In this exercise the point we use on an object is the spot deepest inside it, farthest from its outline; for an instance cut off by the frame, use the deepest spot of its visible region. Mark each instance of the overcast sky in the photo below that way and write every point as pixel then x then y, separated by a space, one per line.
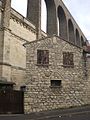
pixel 80 10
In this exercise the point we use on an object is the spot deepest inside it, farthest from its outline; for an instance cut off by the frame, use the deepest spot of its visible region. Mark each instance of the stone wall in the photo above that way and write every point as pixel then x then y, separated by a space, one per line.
pixel 12 52
pixel 21 27
pixel 13 61
pixel 21 31
pixel 88 76
pixel 39 94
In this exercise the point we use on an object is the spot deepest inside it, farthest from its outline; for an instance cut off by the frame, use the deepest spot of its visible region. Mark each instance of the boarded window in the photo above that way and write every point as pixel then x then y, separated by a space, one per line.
pixel 43 57
pixel 68 59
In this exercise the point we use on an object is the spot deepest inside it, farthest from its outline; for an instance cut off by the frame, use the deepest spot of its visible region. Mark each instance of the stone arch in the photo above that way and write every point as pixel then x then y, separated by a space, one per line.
pixel 34 15
pixel 71 31
pixel 62 22
pixel 77 38
pixel 51 17
pixel 82 41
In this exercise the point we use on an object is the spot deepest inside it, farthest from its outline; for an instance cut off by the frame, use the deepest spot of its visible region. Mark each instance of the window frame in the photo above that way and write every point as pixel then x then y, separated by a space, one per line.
pixel 42 57
pixel 68 59
pixel 55 83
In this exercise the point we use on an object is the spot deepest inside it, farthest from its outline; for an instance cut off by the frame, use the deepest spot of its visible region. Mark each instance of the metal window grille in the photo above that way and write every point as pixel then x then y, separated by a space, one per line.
pixel 42 57
pixel 68 59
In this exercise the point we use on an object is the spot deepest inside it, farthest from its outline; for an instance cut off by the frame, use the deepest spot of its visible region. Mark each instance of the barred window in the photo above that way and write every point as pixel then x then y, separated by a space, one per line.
pixel 68 59
pixel 43 57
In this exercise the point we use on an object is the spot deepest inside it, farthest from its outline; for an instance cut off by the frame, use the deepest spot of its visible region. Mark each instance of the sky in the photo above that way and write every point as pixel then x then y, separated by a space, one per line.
pixel 80 10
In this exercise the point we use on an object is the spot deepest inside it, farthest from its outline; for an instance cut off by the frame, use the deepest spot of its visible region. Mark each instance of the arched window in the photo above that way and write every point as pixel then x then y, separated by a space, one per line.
pixel 77 38
pixel 62 23
pixel 71 31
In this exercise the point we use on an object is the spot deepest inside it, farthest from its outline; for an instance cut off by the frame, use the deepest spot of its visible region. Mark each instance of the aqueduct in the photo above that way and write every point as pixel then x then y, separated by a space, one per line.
pixel 57 15
pixel 59 20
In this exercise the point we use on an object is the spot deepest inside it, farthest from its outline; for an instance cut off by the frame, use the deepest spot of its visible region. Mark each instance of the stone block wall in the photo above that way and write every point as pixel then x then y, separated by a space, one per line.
pixel 22 31
pixel 88 77
pixel 12 52
pixel 40 95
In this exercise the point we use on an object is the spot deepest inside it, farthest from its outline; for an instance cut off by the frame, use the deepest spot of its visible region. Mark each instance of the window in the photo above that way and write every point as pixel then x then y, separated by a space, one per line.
pixel 43 57
pixel 55 83
pixel 23 88
pixel 68 59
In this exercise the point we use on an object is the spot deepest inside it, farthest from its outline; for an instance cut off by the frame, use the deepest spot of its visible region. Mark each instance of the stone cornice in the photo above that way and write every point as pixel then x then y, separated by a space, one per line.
pixel 22 21
pixel 20 38
pixel 12 66
pixel 45 38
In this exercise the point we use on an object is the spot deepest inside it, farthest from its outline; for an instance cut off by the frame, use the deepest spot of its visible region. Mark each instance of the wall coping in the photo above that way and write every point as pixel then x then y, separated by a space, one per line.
pixel 21 19
pixel 35 41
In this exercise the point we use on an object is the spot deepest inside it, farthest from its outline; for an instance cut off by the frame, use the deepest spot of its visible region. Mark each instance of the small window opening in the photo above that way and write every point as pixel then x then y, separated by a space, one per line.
pixel 23 88
pixel 55 83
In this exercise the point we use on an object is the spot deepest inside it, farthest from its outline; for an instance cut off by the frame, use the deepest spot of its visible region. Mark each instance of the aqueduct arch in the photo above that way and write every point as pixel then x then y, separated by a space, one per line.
pixel 34 15
pixel 77 38
pixel 51 18
pixel 58 21
pixel 62 23
pixel 71 31
pixel 82 41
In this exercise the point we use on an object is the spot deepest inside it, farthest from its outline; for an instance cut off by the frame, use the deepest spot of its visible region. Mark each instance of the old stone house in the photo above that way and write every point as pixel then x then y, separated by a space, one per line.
pixel 56 76
pixel 54 67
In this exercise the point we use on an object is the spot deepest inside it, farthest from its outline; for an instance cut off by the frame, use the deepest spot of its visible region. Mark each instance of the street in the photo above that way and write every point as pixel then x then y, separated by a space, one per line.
pixel 82 113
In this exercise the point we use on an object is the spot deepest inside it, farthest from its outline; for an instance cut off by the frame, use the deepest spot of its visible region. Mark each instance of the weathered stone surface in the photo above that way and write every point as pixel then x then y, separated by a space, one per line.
pixel 39 95
pixel 15 30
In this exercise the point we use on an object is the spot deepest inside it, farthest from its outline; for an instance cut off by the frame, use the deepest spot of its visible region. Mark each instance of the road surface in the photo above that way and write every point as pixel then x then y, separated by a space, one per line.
pixel 79 113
